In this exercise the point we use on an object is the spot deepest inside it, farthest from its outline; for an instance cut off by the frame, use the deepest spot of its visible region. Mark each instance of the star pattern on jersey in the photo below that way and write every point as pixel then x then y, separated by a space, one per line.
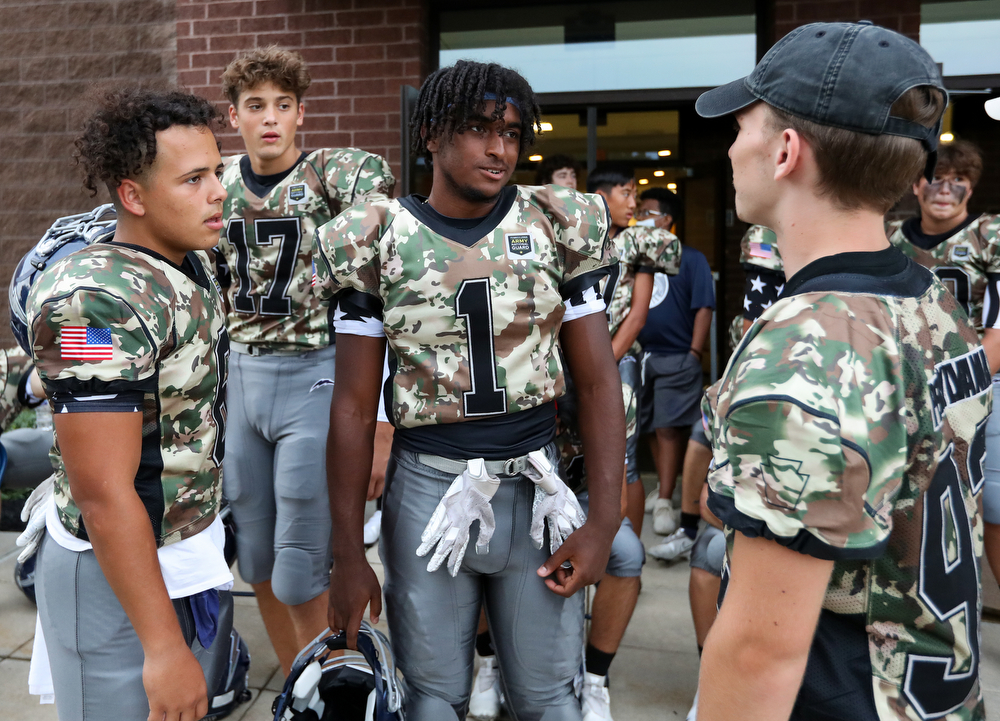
pixel 746 303
pixel 767 305
pixel 780 288
pixel 757 285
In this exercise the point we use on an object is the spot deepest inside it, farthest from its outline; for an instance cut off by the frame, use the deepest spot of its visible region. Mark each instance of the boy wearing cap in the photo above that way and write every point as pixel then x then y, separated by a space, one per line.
pixel 850 430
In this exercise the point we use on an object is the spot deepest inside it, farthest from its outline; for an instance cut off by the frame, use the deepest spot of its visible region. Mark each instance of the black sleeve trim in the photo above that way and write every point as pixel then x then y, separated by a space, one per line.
pixel 993 301
pixel 124 402
pixel 356 305
pixel 803 542
pixel 94 387
pixel 22 390
pixel 645 269
pixel 581 282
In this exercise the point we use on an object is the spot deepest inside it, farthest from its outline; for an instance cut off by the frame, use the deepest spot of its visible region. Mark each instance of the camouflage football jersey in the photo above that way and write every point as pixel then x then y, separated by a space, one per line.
pixel 640 250
pixel 14 364
pixel 267 243
pixel 472 315
pixel 116 328
pixel 851 427
pixel 967 261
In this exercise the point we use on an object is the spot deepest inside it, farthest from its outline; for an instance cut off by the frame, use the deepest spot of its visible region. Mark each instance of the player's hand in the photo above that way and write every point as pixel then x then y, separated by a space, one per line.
pixel 175 685
pixel 353 585
pixel 586 553
pixel 376 484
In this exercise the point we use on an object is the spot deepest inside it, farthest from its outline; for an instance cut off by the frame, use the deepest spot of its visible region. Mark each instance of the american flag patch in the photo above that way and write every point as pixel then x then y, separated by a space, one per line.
pixel 81 343
pixel 761 250
pixel 315 278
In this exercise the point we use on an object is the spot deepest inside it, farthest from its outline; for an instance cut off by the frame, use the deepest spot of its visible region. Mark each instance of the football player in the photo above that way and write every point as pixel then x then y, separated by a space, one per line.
pixel 283 352
pixel 963 250
pixel 129 337
pixel 25 450
pixel 851 421
pixel 475 288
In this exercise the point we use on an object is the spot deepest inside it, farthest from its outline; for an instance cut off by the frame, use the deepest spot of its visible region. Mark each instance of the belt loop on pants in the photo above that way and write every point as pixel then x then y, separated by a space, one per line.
pixel 508 467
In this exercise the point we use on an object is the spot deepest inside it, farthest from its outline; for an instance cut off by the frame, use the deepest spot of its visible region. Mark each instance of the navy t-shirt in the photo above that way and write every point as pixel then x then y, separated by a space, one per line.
pixel 670 323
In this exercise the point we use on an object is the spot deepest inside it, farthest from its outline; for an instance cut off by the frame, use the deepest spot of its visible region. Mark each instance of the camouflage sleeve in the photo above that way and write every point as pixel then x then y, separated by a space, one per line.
pixel 581 224
pixel 659 251
pixel 348 254
pixel 93 353
pixel 14 367
pixel 989 232
pixel 356 176
pixel 759 248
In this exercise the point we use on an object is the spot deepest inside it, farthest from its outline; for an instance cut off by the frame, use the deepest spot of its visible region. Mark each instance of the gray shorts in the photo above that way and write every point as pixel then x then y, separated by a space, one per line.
pixel 538 635
pixel 628 555
pixel 275 470
pixel 28 461
pixel 709 551
pixel 94 653
pixel 630 370
pixel 991 487
pixel 671 391
pixel 698 434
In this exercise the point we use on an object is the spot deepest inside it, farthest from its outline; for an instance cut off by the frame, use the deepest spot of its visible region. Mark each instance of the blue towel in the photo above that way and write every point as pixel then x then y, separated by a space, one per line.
pixel 205 608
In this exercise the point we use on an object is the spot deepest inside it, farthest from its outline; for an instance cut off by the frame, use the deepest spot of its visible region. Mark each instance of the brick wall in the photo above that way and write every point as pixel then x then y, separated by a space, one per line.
pixel 52 53
pixel 903 16
pixel 359 52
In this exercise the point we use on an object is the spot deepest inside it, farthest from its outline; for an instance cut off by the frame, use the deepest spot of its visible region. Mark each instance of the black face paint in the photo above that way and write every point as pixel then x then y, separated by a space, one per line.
pixel 957 190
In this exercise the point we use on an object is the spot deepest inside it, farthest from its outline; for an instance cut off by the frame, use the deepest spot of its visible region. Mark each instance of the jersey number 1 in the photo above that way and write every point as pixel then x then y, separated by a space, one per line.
pixel 287 233
pixel 474 305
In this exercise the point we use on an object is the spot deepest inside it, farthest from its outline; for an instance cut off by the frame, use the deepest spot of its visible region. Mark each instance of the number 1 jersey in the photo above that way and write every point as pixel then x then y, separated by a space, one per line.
pixel 472 314
pixel 851 426
pixel 266 244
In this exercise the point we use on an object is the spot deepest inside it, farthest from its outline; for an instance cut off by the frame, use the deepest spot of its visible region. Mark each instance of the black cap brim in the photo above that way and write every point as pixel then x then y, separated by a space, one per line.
pixel 725 99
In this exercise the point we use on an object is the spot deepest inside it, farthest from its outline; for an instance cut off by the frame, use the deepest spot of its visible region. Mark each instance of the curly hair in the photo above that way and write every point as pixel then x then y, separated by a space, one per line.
pixel 119 140
pixel 961 158
pixel 271 64
pixel 450 96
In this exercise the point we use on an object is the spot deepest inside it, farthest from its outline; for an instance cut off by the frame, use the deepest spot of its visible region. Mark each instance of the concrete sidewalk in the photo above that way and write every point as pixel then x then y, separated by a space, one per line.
pixel 653 678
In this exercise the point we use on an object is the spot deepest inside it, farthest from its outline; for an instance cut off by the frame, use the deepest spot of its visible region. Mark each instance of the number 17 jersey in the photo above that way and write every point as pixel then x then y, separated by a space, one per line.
pixel 267 242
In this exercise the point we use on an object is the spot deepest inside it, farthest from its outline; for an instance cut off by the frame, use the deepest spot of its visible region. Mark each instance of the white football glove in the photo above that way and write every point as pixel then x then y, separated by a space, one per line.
pixel 554 503
pixel 34 514
pixel 465 501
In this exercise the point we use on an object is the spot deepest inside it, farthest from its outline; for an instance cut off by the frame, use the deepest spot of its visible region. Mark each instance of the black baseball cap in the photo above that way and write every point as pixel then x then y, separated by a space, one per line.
pixel 845 75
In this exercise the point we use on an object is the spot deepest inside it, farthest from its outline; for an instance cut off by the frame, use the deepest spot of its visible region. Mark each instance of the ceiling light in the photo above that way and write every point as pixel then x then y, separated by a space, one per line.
pixel 534 158
pixel 947 137
pixel 643 181
pixel 658 173
pixel 546 127
pixel 664 153
pixel 671 186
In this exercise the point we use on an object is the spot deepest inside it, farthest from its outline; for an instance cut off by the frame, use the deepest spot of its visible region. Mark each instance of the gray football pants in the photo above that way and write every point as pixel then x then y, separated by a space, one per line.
pixel 275 470
pixel 433 617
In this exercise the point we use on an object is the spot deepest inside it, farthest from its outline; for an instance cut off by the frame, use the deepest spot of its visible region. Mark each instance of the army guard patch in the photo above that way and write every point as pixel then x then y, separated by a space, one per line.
pixel 296 194
pixel 961 252
pixel 520 246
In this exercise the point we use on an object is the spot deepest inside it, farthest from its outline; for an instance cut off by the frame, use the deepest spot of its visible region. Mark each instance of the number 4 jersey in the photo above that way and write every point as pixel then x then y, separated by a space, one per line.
pixel 851 427
pixel 267 247
pixel 119 329
pixel 471 309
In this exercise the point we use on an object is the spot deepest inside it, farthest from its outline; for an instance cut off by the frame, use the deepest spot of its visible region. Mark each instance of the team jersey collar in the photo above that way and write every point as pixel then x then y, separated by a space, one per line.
pixel 878 264
pixel 262 185
pixel 191 266
pixel 450 227
pixel 911 229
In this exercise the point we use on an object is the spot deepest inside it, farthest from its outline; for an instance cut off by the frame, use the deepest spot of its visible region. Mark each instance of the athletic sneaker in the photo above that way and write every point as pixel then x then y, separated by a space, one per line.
pixel 693 713
pixel 664 522
pixel 373 529
pixel 675 546
pixel 484 704
pixel 651 499
pixel 595 701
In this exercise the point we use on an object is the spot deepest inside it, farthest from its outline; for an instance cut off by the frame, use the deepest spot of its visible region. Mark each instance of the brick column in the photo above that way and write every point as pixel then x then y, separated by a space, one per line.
pixel 903 16
pixel 359 52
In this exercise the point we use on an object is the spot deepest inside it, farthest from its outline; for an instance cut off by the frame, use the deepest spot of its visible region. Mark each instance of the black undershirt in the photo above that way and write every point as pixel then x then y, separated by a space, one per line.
pixel 261 185
pixel 915 234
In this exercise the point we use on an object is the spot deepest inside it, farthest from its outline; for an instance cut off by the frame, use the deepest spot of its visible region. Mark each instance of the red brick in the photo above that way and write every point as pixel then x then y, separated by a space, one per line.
pixel 331 71
pixel 312 21
pixel 326 140
pixel 212 27
pixel 317 55
pixel 384 35
pixel 378 70
pixel 369 138
pixel 192 12
pixel 361 87
pixel 192 45
pixel 351 53
pixel 278 7
pixel 211 60
pixel 328 106
pixel 414 69
pixel 327 37
pixel 413 16
pixel 291 40
pixel 230 10
pixel 189 78
pixel 185 29
pixel 361 122
pixel 888 7
pixel 135 64
pixel 362 18
pixel 376 105
pixel 131 12
pixel 273 24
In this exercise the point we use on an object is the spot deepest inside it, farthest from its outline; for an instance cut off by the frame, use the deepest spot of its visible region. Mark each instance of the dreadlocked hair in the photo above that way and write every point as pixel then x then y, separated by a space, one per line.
pixel 119 140
pixel 450 96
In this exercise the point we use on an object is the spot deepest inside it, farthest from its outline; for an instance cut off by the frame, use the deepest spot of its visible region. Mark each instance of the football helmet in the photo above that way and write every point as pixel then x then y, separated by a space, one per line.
pixel 359 686
pixel 65 236
pixel 24 577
